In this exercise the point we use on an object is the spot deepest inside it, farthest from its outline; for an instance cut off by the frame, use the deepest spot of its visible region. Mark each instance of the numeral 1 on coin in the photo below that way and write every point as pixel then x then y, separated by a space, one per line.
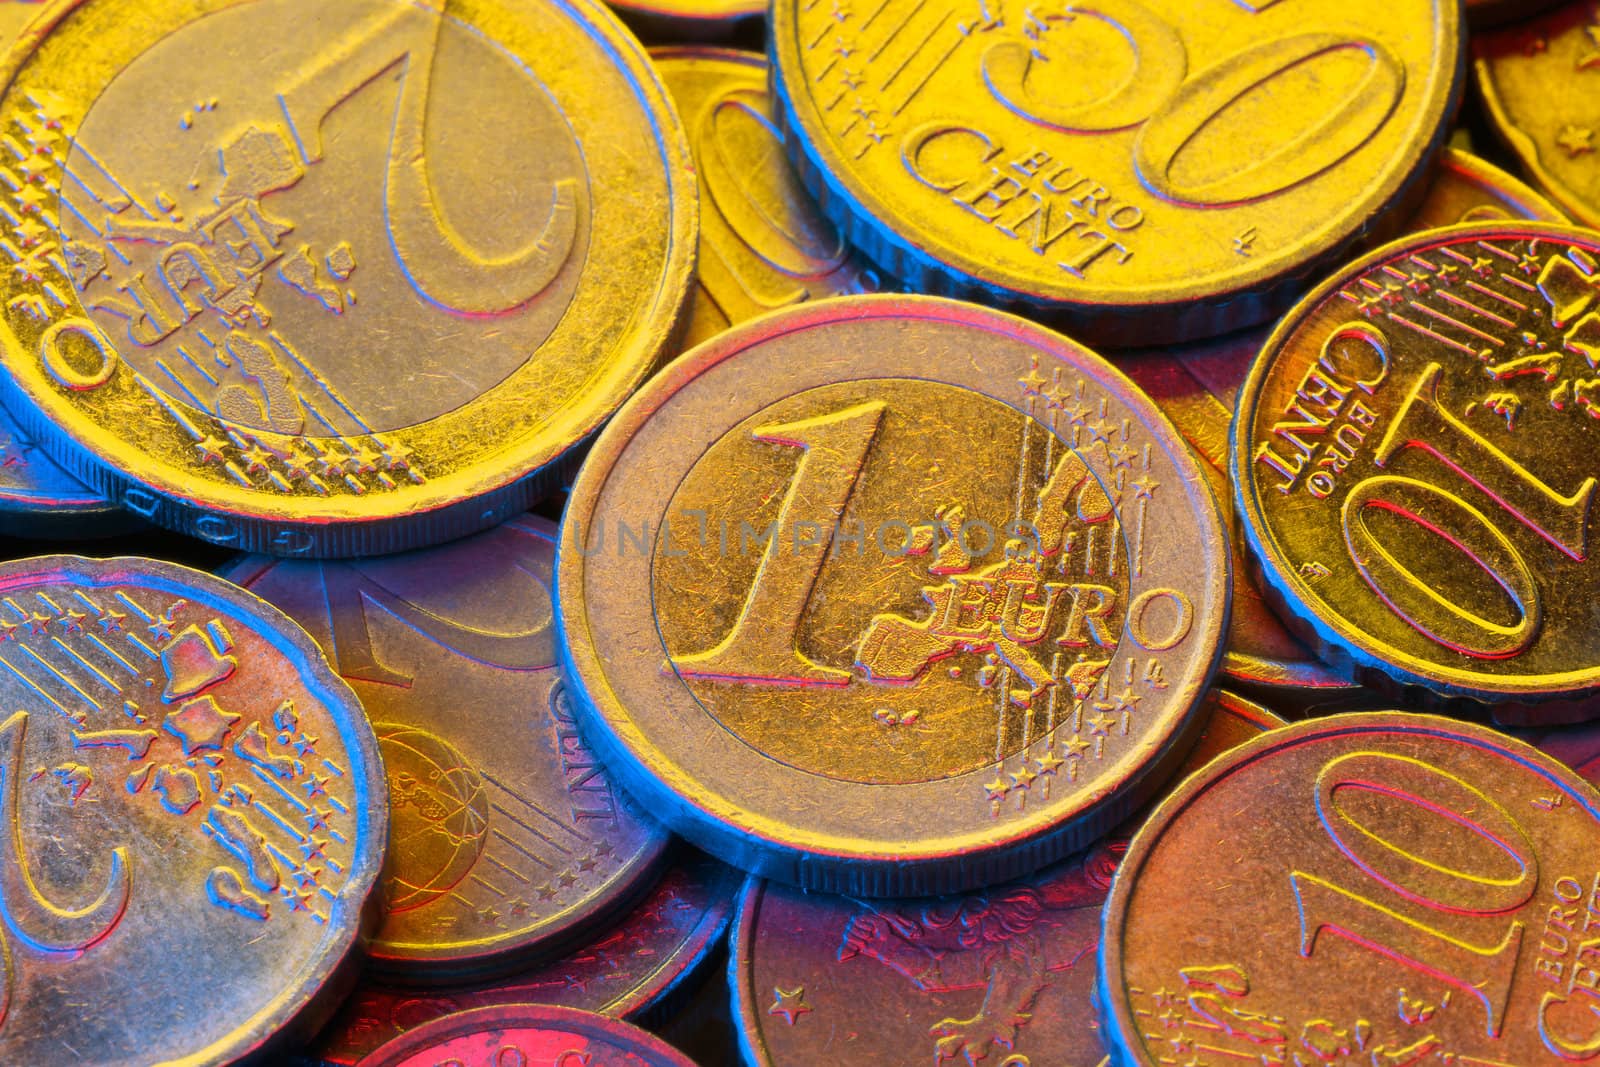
pixel 762 646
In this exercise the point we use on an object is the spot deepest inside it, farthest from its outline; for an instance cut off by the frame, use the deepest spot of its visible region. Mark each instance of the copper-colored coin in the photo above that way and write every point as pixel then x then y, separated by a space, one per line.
pixel 1381 888
pixel 1148 171
pixel 763 243
pixel 508 842
pixel 926 595
pixel 527 1035
pixel 628 971
pixel 1539 79
pixel 1197 386
pixel 1415 459
pixel 192 816
pixel 1002 976
pixel 335 280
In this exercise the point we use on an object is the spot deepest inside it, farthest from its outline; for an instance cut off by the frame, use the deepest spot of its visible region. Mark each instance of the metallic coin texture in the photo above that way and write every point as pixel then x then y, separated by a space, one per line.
pixel 627 971
pixel 507 840
pixel 1197 387
pixel 926 596
pixel 763 243
pixel 1002 976
pixel 193 818
pixel 343 280
pixel 1539 79
pixel 527 1035
pixel 1200 158
pixel 1415 456
pixel 1376 889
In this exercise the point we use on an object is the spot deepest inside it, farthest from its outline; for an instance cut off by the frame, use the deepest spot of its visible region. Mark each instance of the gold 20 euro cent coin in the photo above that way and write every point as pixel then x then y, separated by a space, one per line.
pixel 891 594
pixel 1144 171
pixel 1415 464
pixel 1378 889
pixel 1539 79
pixel 339 279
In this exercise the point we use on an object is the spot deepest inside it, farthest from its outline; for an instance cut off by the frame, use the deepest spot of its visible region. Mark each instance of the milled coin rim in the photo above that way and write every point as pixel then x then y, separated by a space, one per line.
pixel 1113 1003
pixel 1333 637
pixel 298 1004
pixel 919 255
pixel 935 863
pixel 456 503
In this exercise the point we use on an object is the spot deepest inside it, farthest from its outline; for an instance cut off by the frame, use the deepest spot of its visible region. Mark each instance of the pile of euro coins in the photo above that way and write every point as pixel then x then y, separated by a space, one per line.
pixel 1001 533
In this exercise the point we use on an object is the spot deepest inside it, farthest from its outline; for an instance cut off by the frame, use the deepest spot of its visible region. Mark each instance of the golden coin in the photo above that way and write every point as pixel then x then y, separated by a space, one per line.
pixel 1539 79
pixel 1197 386
pixel 763 244
pixel 1004 975
pixel 320 280
pixel 1148 172
pixel 891 594
pixel 1415 457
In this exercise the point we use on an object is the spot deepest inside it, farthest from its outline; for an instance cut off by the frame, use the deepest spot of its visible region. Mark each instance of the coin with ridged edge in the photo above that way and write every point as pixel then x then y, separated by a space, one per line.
pixel 527 1034
pixel 194 816
pixel 891 595
pixel 1415 460
pixel 1197 386
pixel 508 843
pixel 335 281
pixel 1004 975
pixel 1380 888
pixel 1140 171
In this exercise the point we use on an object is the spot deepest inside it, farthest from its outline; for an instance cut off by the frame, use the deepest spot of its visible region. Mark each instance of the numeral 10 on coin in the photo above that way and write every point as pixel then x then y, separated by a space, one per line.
pixel 1423 423
pixel 1478 968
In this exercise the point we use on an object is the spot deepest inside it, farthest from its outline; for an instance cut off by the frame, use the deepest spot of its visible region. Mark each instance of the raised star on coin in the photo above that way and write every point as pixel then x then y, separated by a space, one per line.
pixel 153 852
pixel 1197 386
pixel 1539 100
pixel 1392 890
pixel 1002 974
